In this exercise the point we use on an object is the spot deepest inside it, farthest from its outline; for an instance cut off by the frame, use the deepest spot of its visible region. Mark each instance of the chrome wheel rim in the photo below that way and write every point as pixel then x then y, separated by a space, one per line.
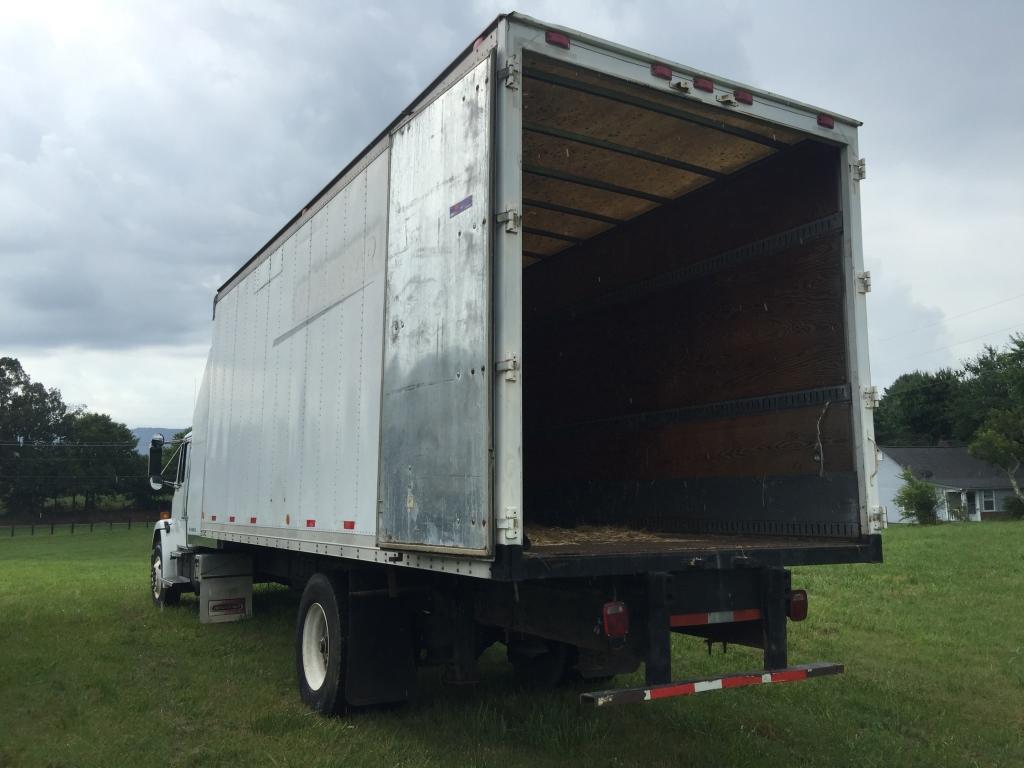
pixel 316 646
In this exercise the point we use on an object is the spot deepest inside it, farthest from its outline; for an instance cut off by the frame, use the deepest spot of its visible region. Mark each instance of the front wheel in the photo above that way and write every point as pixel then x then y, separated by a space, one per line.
pixel 162 595
pixel 320 646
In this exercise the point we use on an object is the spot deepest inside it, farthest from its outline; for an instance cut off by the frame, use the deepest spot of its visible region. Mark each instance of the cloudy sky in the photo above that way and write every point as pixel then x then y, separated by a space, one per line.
pixel 148 149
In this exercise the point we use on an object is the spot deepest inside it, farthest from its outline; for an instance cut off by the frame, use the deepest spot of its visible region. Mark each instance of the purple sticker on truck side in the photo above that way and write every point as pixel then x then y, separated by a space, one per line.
pixel 460 206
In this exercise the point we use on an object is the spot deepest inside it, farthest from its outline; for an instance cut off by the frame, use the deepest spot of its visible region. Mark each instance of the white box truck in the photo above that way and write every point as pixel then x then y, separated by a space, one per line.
pixel 573 357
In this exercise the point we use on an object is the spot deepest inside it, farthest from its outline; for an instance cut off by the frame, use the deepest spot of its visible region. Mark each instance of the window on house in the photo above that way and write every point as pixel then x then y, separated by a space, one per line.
pixel 988 501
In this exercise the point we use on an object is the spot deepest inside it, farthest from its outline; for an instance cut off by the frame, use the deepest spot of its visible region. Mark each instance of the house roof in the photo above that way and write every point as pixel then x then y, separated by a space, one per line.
pixel 949 466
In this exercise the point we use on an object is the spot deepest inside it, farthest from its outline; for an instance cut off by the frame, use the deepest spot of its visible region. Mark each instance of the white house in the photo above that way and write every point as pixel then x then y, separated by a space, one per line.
pixel 971 489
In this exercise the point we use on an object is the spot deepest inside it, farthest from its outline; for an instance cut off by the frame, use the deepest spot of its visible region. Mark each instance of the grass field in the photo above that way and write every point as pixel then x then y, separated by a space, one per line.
pixel 91 674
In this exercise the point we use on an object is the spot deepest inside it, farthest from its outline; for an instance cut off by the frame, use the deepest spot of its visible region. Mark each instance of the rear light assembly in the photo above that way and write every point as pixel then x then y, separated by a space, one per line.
pixel 556 38
pixel 704 84
pixel 826 121
pixel 796 606
pixel 615 618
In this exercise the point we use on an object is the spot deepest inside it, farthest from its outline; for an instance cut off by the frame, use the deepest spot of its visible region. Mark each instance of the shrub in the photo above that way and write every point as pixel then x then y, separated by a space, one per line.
pixel 916 499
pixel 1014 506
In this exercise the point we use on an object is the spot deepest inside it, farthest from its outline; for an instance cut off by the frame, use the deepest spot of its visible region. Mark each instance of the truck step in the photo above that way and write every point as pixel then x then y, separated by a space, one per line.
pixel 702 684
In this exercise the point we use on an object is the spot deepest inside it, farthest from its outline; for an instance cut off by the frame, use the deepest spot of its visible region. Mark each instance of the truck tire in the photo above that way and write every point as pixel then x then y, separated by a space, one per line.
pixel 161 595
pixel 320 645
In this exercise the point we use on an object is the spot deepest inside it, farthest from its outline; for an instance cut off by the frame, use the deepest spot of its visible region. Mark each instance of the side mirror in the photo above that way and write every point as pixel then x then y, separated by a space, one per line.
pixel 156 456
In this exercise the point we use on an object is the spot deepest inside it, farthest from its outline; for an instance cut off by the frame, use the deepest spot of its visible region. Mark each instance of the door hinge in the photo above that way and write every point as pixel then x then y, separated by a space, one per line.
pixel 870 397
pixel 509 366
pixel 859 169
pixel 511 219
pixel 509 523
pixel 727 99
pixel 511 73
pixel 863 282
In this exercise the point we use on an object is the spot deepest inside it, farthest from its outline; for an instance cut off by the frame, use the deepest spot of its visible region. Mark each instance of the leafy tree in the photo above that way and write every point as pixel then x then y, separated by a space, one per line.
pixel 916 499
pixel 918 408
pixel 993 381
pixel 32 419
pixel 1000 441
pixel 103 459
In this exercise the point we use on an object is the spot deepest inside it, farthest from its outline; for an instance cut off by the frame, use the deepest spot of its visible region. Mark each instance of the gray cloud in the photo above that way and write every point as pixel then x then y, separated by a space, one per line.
pixel 147 151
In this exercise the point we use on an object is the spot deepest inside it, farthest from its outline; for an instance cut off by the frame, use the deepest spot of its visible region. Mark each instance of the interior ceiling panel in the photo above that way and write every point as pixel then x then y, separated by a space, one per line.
pixel 718 114
pixel 602 165
pixel 577 227
pixel 599 151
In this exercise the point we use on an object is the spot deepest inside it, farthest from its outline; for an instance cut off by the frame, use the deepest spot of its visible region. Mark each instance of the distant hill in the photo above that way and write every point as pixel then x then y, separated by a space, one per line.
pixel 145 434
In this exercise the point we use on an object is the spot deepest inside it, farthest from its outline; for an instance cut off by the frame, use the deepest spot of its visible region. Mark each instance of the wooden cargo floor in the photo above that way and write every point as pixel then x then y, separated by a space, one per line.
pixel 610 540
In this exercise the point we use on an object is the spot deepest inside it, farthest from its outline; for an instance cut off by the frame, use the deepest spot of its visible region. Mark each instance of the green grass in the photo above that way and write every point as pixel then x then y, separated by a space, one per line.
pixel 92 674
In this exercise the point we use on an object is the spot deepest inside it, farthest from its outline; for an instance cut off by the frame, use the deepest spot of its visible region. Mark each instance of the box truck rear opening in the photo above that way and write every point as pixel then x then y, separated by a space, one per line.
pixel 571 358
pixel 684 362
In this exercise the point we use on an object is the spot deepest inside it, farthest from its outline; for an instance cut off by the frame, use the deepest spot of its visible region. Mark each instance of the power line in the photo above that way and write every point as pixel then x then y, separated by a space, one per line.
pixel 30 444
pixel 1016 327
pixel 953 317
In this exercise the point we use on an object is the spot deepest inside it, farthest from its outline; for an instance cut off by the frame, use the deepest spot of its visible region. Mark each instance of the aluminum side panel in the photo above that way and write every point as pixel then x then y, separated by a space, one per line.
pixel 294 378
pixel 435 428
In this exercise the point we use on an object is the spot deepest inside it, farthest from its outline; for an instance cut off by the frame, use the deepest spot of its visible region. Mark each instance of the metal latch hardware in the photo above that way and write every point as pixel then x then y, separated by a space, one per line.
pixel 876 519
pixel 727 99
pixel 859 170
pixel 870 397
pixel 510 523
pixel 511 219
pixel 509 366
pixel 510 73
pixel 863 282
pixel 682 85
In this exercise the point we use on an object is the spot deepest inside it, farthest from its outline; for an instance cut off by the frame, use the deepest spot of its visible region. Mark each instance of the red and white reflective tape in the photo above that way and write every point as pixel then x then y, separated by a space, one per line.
pixel 714 617
pixel 689 687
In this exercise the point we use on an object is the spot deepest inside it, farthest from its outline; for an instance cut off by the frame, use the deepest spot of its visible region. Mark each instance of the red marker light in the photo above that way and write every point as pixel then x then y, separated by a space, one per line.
pixel 743 97
pixel 557 38
pixel 796 609
pixel 826 121
pixel 661 70
pixel 704 84
pixel 349 525
pixel 615 617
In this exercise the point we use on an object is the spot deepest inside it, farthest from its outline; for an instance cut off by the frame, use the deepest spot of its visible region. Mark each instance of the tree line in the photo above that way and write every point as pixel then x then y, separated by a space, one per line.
pixel 980 405
pixel 57 458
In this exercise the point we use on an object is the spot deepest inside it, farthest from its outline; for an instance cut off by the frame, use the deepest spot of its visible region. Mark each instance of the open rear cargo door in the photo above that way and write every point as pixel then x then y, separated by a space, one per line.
pixel 435 422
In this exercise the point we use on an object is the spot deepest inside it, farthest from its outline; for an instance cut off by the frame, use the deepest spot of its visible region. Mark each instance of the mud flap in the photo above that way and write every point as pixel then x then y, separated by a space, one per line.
pixel 381 665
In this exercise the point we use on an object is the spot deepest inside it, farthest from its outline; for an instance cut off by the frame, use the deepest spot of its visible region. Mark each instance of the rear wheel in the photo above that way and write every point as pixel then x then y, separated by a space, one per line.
pixel 321 645
pixel 162 595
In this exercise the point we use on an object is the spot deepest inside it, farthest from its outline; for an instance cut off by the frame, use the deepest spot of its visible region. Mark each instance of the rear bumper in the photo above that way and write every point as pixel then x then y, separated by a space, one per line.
pixel 701 685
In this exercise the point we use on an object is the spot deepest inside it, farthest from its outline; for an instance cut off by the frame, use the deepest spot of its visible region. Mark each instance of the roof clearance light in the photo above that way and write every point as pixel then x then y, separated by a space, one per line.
pixel 704 84
pixel 743 97
pixel 826 121
pixel 661 70
pixel 557 38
